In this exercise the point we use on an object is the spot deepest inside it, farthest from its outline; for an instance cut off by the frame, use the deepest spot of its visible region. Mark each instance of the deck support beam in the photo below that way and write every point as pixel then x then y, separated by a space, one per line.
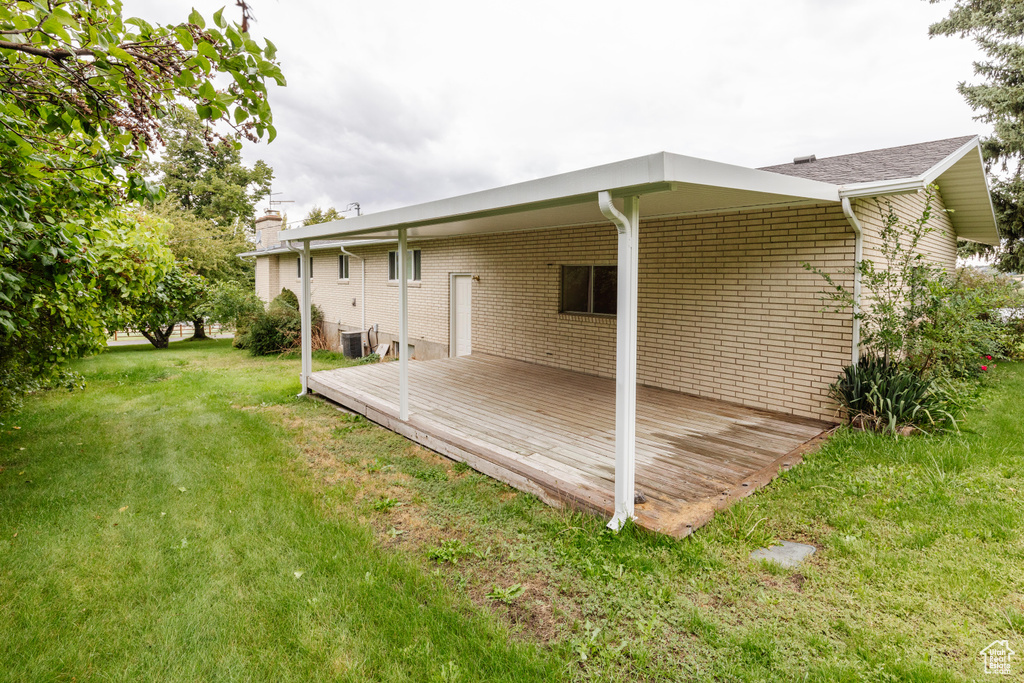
pixel 627 224
pixel 306 311
pixel 403 325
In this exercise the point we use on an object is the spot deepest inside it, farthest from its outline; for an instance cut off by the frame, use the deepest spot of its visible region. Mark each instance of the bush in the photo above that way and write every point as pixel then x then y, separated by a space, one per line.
pixel 236 305
pixel 960 322
pixel 886 396
pixel 279 328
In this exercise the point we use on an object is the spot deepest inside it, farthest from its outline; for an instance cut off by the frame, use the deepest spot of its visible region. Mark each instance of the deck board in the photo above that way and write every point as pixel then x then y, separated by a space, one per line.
pixel 552 432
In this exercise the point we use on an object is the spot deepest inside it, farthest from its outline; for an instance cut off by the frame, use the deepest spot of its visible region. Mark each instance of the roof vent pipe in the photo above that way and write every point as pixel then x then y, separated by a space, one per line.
pixel 805 160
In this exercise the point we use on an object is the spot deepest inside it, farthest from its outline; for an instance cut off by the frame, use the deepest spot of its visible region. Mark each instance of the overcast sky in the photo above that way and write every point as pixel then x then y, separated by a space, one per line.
pixel 394 103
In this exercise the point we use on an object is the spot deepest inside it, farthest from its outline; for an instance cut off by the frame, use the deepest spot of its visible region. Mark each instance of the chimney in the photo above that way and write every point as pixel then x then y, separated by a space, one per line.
pixel 267 227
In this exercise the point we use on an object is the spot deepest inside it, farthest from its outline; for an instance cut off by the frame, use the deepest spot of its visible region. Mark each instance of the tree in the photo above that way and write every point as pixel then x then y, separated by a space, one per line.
pixel 82 95
pixel 211 198
pixel 997 28
pixel 75 287
pixel 205 176
pixel 317 215
pixel 173 297
pixel 205 248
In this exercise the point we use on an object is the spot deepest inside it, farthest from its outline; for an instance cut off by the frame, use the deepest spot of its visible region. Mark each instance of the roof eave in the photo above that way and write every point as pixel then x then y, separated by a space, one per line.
pixel 655 173
pixel 983 228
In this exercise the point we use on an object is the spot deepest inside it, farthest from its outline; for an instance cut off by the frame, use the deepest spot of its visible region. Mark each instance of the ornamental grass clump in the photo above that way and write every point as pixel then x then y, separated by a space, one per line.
pixel 886 396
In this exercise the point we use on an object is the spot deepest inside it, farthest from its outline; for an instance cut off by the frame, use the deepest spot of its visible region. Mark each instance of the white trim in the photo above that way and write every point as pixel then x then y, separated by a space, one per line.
pixel 883 187
pixel 858 255
pixel 632 177
pixel 403 327
pixel 451 310
pixel 306 314
pixel 929 176
pixel 625 354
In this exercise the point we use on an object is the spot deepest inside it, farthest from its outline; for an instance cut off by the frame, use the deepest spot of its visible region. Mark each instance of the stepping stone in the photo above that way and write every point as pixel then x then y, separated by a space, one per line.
pixel 788 554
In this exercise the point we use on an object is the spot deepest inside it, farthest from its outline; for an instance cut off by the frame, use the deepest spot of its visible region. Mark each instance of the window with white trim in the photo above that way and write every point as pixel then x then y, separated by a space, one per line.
pixel 342 266
pixel 298 267
pixel 591 290
pixel 412 265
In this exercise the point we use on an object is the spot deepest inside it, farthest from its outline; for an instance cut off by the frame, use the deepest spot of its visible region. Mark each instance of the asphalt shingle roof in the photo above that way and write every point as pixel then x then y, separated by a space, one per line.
pixel 893 163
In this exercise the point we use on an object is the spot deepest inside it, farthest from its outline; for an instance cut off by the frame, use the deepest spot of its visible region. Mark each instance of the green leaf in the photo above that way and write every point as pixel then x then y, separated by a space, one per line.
pixel 184 37
pixel 207 50
pixel 218 18
pixel 121 55
pixel 197 19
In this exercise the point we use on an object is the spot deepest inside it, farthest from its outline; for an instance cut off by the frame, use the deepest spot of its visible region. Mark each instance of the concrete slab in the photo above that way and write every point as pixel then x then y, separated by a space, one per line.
pixel 788 554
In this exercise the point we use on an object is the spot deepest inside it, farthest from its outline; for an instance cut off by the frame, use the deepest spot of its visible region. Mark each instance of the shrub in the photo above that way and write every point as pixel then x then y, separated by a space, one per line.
pixel 236 305
pixel 279 328
pixel 960 321
pixel 886 396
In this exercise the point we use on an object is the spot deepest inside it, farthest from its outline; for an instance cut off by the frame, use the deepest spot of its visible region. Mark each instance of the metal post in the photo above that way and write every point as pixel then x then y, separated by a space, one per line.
pixel 306 304
pixel 625 354
pixel 403 326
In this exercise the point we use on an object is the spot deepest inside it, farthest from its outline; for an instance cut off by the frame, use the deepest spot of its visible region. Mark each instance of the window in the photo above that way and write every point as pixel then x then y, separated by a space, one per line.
pixel 343 266
pixel 298 267
pixel 412 266
pixel 589 289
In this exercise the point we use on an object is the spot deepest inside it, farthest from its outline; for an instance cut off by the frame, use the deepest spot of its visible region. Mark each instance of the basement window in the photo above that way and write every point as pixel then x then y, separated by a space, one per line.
pixel 591 290
pixel 343 266
pixel 412 265
pixel 298 267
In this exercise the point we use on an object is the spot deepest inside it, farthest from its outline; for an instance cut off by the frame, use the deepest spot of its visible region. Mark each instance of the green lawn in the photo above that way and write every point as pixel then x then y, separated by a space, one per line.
pixel 186 517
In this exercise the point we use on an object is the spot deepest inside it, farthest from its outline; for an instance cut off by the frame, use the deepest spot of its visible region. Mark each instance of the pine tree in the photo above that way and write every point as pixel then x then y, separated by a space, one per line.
pixel 997 28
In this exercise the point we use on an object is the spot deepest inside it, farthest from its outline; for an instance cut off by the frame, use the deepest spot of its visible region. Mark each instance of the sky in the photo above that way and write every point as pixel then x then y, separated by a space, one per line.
pixel 395 103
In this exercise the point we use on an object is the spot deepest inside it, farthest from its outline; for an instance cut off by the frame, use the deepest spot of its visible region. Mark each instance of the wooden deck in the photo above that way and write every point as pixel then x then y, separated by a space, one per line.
pixel 552 433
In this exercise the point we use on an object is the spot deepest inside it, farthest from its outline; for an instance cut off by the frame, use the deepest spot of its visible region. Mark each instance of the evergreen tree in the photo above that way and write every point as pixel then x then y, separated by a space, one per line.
pixel 997 28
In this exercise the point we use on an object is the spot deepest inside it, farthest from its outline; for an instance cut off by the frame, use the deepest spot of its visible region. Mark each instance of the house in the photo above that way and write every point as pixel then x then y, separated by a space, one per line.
pixel 639 331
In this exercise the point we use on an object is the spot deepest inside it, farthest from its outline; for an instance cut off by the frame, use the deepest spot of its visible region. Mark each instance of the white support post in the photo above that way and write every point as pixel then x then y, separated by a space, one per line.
pixel 625 354
pixel 403 326
pixel 306 305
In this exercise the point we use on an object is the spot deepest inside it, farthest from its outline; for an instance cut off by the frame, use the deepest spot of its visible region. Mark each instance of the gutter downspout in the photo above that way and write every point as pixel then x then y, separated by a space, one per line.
pixel 362 296
pixel 306 315
pixel 625 353
pixel 858 254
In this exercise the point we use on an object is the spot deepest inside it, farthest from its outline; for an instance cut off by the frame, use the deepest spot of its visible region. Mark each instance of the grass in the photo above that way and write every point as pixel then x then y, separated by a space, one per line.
pixel 158 526
pixel 416 568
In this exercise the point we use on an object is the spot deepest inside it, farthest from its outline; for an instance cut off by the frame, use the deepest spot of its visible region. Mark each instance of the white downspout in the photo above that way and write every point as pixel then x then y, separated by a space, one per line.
pixel 403 327
pixel 858 254
pixel 625 354
pixel 305 308
pixel 362 296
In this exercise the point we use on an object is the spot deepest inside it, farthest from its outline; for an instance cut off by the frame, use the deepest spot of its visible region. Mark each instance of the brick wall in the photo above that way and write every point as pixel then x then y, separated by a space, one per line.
pixel 938 246
pixel 726 310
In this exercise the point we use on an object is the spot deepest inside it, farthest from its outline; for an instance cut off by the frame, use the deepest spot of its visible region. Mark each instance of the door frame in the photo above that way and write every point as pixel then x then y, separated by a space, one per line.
pixel 451 308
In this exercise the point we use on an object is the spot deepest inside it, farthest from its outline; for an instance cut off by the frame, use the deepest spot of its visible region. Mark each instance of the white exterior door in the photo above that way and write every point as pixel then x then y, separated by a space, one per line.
pixel 462 315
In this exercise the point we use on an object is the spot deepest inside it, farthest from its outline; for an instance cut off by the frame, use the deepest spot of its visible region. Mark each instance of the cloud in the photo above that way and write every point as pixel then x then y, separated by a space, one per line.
pixel 397 103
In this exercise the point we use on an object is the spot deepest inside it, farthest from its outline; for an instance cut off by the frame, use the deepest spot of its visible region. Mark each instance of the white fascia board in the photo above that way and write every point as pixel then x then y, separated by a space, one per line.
pixel 938 169
pixel 318 247
pixel 883 187
pixel 693 171
pixel 659 172
pixel 907 185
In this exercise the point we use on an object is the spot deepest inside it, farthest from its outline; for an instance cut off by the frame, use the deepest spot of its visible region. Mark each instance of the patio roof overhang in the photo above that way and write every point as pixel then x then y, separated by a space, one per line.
pixel 670 185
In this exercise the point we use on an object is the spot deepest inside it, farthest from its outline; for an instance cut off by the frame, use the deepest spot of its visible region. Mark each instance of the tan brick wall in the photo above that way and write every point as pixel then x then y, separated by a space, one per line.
pixel 268 279
pixel 726 309
pixel 938 246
